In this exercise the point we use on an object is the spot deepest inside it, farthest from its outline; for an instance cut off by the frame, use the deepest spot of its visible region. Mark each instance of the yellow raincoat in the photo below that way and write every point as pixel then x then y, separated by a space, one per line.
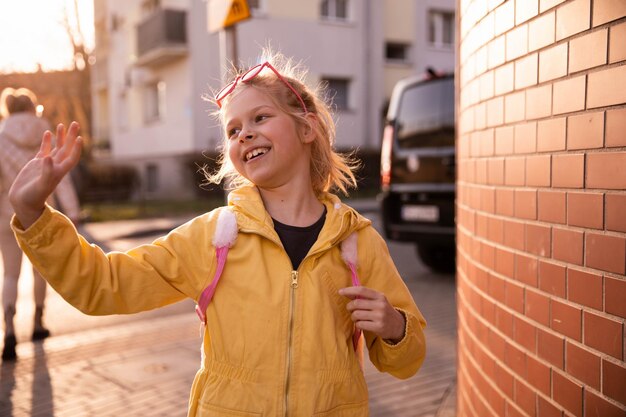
pixel 277 342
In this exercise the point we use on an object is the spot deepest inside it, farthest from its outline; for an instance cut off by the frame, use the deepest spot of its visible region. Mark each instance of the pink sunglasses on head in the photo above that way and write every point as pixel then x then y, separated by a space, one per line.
pixel 250 74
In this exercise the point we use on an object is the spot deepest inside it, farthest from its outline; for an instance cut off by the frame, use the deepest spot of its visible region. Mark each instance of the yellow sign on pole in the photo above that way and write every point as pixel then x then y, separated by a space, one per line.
pixel 225 13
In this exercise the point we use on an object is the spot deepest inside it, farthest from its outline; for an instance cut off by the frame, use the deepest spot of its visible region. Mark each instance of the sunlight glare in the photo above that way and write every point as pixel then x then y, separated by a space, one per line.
pixel 33 33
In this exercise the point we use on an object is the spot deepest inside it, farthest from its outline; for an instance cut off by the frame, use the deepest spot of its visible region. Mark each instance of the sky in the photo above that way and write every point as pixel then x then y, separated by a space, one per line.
pixel 32 33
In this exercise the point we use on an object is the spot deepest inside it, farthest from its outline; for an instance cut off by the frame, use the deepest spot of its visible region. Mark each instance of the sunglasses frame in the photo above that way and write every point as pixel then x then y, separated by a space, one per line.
pixel 246 77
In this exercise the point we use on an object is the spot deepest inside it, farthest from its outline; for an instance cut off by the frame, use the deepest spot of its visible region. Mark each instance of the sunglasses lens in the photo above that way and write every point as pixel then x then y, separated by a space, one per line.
pixel 224 91
pixel 252 72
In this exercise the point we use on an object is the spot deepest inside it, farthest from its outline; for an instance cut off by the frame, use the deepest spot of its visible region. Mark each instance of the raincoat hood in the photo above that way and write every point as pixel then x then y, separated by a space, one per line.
pixel 24 130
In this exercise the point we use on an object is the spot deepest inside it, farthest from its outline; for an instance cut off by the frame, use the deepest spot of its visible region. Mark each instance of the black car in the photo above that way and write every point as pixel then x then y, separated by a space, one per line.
pixel 418 168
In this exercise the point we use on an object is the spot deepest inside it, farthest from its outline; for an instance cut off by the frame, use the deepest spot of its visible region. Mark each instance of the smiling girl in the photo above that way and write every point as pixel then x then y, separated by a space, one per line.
pixel 307 281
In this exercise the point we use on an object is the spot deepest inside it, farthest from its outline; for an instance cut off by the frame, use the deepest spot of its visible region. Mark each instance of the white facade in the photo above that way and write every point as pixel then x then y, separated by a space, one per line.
pixel 150 107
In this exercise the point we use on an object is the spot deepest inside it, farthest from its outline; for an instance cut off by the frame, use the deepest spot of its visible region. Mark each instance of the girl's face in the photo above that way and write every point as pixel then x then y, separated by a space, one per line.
pixel 263 141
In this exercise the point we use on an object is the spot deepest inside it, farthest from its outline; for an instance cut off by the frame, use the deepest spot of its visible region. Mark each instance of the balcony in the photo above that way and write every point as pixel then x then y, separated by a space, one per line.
pixel 162 38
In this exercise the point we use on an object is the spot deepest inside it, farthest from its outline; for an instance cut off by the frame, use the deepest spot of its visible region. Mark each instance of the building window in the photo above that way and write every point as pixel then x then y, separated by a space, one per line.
pixel 338 91
pixel 397 52
pixel 334 9
pixel 441 28
pixel 150 6
pixel 154 101
pixel 152 178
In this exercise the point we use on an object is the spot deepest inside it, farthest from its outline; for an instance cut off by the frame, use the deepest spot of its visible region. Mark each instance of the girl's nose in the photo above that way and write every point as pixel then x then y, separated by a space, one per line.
pixel 246 135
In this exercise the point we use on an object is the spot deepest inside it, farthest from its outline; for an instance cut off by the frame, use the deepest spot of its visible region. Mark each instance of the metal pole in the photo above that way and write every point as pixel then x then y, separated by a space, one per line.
pixel 228 51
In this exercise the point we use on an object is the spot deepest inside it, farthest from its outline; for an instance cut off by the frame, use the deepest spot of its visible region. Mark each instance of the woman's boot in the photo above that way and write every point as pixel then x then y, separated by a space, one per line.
pixel 8 351
pixel 39 332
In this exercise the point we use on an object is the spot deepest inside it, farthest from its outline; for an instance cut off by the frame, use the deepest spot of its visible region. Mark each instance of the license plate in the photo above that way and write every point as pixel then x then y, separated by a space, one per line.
pixel 420 213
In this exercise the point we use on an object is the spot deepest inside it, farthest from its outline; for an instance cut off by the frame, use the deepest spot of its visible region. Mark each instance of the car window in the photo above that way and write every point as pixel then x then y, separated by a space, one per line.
pixel 426 115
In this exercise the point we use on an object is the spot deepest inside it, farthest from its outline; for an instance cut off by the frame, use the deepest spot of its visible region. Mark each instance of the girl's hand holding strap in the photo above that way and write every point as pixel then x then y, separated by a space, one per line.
pixel 41 175
pixel 372 312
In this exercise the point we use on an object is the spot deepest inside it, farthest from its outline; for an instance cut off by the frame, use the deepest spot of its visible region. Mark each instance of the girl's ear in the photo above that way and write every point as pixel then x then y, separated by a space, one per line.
pixel 309 128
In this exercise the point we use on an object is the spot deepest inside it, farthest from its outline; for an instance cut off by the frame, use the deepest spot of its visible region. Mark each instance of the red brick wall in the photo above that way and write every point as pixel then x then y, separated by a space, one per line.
pixel 541 207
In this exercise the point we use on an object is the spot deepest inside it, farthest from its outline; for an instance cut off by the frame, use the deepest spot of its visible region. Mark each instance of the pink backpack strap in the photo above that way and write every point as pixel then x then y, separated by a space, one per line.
pixel 349 255
pixel 224 237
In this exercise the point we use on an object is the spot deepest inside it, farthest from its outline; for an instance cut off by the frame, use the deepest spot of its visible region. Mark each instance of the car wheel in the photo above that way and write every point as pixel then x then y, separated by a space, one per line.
pixel 438 258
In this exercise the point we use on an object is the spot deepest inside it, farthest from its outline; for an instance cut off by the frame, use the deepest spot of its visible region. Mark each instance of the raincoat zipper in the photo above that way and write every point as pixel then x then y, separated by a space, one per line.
pixel 294 286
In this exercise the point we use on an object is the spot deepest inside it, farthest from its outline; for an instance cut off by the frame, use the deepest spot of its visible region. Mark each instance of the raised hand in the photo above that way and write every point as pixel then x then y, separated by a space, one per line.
pixel 40 176
pixel 371 311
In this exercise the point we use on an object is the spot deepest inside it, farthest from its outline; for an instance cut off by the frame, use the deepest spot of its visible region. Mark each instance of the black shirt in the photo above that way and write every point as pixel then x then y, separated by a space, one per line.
pixel 297 241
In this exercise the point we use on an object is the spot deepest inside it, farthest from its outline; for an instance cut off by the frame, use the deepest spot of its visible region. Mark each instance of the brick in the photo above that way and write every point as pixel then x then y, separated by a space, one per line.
pixel 504 202
pixel 487 256
pixel 568 245
pixel 568 170
pixel 588 51
pixel 606 170
pixel 525 333
pixel 547 409
pixel 553 62
pixel 495 52
pixel 585 210
pixel 541 31
pixel 486 142
pixel 526 138
pixel 525 10
pixel 504 78
pixel 552 278
pixel 505 262
pixel 551 135
pixel 538 170
pixel 495 171
pixel 613 378
pixel 582 365
pixel 607 10
pixel 481 60
pixel 517 42
pixel 566 319
pixel 567 393
pixel 526 204
pixel 615 128
pixel 585 131
pixel 514 234
pixel 526 71
pixel 480 116
pixel 504 18
pixel 607 87
pixel 515 359
pixel 514 171
pixel 505 380
pixel 617 46
pixel 514 297
pixel 584 288
pixel 525 398
pixel 495 112
pixel 504 322
pixel 486 85
pixel 504 140
pixel 552 206
pixel 539 101
pixel 526 270
pixel 538 239
pixel 596 406
pixel 495 230
pixel 550 347
pixel 538 375
pixel 514 107
pixel 569 95
pixel 488 200
pixel 605 252
pixel 572 18
pixel 548 4
pixel 603 334
pixel 537 307
pixel 614 296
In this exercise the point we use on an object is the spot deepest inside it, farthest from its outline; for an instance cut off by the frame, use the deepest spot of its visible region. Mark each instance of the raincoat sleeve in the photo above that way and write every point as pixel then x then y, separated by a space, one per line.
pixel 403 359
pixel 98 283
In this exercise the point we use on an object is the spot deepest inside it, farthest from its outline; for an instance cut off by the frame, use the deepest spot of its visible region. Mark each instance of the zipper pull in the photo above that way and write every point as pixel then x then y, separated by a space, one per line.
pixel 294 279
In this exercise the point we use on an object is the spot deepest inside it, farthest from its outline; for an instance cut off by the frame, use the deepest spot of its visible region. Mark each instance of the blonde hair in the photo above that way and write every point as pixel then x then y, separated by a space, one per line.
pixel 16 101
pixel 329 169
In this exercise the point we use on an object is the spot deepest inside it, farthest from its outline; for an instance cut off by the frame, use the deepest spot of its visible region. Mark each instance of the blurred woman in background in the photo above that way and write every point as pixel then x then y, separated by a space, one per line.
pixel 21 130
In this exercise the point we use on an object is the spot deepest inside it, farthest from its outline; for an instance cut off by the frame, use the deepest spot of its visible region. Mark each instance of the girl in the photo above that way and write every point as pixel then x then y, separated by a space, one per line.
pixel 280 332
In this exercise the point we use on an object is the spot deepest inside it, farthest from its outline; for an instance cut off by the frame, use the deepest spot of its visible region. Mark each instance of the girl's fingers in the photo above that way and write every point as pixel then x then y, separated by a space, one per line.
pixel 74 155
pixel 60 135
pixel 46 144
pixel 69 143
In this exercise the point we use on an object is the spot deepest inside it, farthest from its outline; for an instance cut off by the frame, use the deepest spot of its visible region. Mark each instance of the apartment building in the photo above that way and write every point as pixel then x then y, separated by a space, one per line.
pixel 155 60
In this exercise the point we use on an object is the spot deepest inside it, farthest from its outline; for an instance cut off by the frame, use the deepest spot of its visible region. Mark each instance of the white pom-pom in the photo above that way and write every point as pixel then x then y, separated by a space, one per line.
pixel 348 249
pixel 226 229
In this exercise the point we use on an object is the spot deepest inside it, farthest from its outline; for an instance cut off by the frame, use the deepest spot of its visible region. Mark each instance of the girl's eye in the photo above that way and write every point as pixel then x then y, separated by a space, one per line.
pixel 261 117
pixel 232 133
